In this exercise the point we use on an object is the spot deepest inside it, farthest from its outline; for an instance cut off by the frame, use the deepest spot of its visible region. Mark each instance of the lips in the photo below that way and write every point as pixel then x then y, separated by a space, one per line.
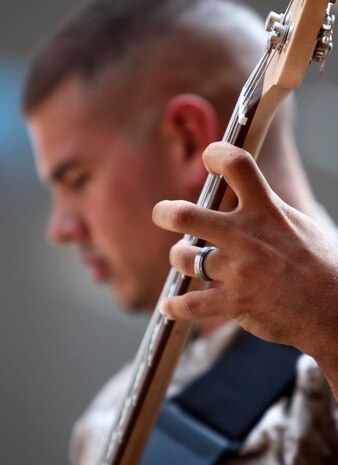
pixel 98 266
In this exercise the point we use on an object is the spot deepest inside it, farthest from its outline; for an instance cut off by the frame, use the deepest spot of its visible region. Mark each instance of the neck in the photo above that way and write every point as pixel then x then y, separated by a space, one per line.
pixel 281 165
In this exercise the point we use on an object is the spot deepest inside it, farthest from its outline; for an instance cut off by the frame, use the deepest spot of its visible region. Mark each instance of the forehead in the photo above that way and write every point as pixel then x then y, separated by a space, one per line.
pixel 64 126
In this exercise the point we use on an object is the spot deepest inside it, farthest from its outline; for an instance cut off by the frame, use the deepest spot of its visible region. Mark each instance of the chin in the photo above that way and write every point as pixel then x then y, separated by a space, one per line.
pixel 131 304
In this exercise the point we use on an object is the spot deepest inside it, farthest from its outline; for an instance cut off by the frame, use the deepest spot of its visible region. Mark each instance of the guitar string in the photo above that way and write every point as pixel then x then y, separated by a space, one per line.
pixel 141 359
pixel 157 317
pixel 229 134
pixel 255 77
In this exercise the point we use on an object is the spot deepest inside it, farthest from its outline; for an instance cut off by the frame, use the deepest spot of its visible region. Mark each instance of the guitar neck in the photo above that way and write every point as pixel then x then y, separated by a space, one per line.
pixel 165 340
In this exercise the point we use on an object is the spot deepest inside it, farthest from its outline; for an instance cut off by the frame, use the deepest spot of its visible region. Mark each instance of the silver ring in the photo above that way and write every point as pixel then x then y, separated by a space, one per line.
pixel 199 261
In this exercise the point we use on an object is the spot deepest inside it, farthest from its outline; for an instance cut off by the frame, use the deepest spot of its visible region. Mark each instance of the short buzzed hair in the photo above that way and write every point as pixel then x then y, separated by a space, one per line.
pixel 188 40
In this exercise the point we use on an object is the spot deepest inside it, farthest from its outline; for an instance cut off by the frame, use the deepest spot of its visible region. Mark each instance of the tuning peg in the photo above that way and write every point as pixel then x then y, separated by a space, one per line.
pixel 272 19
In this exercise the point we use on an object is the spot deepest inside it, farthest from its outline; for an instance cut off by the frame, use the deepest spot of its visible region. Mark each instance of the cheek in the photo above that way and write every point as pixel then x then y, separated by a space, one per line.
pixel 120 205
pixel 116 211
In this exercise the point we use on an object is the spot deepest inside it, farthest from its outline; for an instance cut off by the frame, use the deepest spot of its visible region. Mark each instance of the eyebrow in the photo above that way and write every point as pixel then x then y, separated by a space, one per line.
pixel 60 171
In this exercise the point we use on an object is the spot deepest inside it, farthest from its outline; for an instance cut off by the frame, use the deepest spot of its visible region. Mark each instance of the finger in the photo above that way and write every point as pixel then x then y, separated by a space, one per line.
pixel 188 218
pixel 182 257
pixel 194 305
pixel 239 170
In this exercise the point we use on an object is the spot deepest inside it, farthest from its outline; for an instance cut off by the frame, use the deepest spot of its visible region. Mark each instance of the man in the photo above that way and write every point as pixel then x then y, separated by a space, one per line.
pixel 121 102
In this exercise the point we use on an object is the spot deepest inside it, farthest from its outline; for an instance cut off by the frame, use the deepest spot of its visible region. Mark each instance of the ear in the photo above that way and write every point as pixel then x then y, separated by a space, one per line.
pixel 190 122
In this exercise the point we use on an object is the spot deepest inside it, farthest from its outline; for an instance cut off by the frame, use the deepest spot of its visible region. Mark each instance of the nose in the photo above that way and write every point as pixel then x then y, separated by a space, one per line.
pixel 66 227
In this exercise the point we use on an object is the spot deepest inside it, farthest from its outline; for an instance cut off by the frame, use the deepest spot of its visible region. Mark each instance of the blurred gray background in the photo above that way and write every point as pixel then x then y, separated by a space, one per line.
pixel 61 338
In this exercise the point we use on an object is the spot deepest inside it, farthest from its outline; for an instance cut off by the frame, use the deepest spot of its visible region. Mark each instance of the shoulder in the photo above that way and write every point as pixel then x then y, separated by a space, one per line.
pixel 312 417
pixel 90 432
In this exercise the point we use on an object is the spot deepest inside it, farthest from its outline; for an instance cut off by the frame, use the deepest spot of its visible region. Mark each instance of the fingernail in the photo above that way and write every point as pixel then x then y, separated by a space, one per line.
pixel 164 311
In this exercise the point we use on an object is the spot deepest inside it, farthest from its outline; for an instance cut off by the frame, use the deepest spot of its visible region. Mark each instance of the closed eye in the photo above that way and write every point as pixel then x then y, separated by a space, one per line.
pixel 77 181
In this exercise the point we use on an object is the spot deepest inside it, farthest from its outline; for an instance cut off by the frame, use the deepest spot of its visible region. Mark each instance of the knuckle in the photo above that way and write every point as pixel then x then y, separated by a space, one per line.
pixel 277 213
pixel 179 258
pixel 186 263
pixel 181 215
pixel 240 317
pixel 231 160
pixel 173 256
pixel 237 162
pixel 173 253
pixel 239 306
pixel 191 307
pixel 241 272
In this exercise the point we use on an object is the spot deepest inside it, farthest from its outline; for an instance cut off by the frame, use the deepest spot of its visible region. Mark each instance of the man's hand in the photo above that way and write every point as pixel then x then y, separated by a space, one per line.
pixel 277 270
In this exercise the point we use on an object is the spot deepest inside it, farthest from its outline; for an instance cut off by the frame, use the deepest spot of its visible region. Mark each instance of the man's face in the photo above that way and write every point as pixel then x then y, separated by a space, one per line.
pixel 103 191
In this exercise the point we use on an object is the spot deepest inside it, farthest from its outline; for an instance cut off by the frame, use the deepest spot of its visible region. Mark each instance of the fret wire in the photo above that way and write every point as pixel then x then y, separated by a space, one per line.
pixel 259 70
pixel 251 86
pixel 175 278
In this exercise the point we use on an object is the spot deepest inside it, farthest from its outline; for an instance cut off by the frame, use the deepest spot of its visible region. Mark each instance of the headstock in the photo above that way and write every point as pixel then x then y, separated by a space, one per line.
pixel 302 34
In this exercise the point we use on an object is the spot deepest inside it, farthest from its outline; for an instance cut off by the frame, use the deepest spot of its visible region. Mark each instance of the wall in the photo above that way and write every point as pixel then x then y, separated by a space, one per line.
pixel 60 338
